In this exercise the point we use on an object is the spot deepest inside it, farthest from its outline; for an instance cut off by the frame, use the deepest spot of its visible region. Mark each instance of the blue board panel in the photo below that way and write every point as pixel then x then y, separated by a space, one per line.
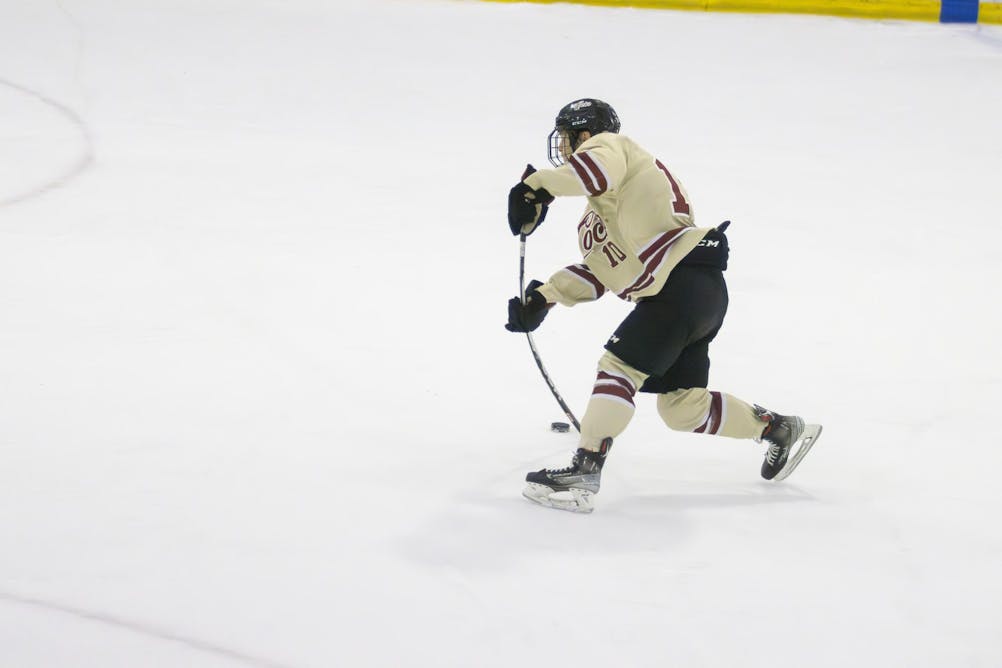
pixel 959 11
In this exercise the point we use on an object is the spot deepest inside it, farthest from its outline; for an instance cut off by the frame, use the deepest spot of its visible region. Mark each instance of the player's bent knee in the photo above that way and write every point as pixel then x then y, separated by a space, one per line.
pixel 684 410
pixel 614 366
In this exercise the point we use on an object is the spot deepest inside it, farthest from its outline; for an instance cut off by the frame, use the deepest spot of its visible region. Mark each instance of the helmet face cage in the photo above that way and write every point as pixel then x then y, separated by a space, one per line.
pixel 589 114
pixel 560 146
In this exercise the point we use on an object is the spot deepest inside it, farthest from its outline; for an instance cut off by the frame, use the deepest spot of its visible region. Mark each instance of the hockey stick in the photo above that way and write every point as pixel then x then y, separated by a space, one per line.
pixel 532 344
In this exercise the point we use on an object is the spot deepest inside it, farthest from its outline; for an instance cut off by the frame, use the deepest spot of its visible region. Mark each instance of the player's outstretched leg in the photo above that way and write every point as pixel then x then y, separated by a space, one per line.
pixel 704 411
pixel 781 433
pixel 572 487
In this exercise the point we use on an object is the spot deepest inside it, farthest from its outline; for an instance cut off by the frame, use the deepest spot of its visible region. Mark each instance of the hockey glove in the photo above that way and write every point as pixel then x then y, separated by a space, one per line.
pixel 527 207
pixel 528 316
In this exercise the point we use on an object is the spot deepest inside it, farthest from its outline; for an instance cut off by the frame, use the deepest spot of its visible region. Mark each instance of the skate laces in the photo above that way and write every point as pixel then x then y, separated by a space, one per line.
pixel 781 435
pixel 575 465
pixel 580 463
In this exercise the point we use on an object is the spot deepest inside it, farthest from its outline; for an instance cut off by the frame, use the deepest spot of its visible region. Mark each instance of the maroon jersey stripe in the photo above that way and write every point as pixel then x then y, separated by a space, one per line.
pixel 582 174
pixel 645 281
pixel 585 273
pixel 659 243
pixel 652 257
pixel 592 183
pixel 596 172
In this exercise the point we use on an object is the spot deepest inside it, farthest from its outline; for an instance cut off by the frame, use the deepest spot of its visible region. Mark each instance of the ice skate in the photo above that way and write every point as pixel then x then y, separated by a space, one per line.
pixel 789 439
pixel 571 488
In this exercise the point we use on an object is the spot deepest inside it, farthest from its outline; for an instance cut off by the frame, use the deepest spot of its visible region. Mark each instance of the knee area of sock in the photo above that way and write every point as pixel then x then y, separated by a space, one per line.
pixel 676 421
pixel 683 410
pixel 675 424
pixel 668 415
pixel 613 365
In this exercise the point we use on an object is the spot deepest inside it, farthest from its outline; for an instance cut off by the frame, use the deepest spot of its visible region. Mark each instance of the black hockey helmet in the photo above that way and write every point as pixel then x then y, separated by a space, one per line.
pixel 589 114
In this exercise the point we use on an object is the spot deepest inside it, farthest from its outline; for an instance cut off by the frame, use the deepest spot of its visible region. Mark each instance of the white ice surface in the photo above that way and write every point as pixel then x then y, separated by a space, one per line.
pixel 257 406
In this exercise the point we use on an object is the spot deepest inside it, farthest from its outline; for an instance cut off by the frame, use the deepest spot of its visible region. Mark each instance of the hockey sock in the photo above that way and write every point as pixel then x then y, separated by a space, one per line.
pixel 709 412
pixel 611 406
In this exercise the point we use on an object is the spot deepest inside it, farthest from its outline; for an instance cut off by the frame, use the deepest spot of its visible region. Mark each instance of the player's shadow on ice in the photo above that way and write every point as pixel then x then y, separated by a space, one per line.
pixel 486 532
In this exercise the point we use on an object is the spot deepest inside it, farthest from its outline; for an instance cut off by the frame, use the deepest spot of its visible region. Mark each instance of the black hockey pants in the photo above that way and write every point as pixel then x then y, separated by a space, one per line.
pixel 668 335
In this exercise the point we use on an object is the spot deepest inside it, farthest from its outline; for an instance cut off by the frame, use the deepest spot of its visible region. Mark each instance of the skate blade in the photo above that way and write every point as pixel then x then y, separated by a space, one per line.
pixel 572 500
pixel 807 441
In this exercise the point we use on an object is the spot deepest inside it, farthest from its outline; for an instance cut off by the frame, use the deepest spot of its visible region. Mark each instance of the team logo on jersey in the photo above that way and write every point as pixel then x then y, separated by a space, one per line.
pixel 592 235
pixel 591 230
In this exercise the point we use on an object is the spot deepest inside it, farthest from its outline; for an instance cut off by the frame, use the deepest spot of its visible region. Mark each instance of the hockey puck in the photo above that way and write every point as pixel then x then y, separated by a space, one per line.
pixel 560 427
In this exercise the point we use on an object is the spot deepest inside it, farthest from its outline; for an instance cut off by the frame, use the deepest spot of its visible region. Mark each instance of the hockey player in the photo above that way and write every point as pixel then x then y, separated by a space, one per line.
pixel 638 240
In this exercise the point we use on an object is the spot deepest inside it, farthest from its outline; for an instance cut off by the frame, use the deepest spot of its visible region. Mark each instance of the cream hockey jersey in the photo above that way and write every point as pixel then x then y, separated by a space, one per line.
pixel 636 228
